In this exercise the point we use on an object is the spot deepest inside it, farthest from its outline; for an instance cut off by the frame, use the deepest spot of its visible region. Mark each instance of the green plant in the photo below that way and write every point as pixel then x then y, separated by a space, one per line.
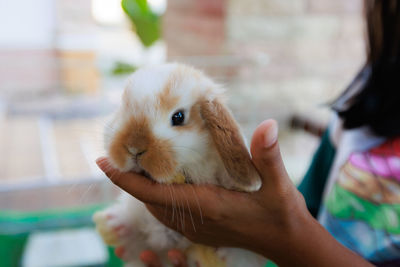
pixel 145 21
pixel 122 68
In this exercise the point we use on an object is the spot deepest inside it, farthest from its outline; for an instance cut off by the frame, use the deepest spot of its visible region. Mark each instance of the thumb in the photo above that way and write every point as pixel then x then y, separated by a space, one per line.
pixel 266 155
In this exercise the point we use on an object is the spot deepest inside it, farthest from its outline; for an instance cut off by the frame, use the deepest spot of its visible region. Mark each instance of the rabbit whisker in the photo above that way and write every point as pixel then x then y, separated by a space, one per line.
pixel 108 167
pixel 174 208
pixel 178 213
pixel 85 193
pixel 165 204
pixel 112 175
pixel 180 216
pixel 183 215
pixel 190 213
pixel 173 202
pixel 198 203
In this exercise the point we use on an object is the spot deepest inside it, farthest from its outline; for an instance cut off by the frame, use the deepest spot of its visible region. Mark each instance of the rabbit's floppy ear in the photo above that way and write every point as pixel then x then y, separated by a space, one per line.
pixel 230 144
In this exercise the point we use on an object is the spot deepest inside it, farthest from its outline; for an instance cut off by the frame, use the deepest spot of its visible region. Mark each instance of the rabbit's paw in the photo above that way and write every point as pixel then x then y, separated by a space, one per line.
pixel 112 228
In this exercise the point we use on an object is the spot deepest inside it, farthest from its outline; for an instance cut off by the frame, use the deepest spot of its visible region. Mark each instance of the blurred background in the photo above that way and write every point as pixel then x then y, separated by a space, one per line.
pixel 63 64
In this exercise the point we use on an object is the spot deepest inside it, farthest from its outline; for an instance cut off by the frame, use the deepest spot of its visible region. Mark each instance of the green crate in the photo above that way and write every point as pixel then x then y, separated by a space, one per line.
pixel 16 226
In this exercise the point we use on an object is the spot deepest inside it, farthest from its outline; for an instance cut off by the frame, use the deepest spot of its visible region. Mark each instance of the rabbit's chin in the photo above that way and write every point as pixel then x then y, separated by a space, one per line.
pixel 146 174
pixel 132 166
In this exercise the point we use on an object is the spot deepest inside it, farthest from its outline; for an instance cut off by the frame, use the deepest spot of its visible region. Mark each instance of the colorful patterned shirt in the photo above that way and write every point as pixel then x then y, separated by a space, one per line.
pixel 360 204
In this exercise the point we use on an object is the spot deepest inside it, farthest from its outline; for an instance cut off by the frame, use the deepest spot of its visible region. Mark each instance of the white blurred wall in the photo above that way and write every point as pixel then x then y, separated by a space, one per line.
pixel 26 24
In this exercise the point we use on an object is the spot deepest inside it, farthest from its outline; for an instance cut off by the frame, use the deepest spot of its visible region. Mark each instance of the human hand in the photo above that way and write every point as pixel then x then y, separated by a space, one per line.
pixel 273 221
pixel 219 217
pixel 176 257
pixel 151 259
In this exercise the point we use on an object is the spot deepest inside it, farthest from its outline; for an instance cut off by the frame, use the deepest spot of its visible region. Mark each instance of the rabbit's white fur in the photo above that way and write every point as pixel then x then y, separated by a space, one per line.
pixel 193 151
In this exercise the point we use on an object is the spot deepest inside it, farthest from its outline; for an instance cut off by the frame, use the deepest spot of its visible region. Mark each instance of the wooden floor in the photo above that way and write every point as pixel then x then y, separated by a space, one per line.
pixel 41 149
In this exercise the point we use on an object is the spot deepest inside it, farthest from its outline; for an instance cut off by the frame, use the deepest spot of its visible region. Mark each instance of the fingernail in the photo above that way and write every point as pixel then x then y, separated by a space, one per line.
pixel 100 162
pixel 271 135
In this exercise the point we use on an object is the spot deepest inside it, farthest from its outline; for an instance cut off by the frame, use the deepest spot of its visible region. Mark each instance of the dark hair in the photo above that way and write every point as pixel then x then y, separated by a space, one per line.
pixel 373 98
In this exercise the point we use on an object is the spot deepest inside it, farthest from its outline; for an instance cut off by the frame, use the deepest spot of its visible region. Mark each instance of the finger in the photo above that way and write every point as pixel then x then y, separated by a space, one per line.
pixel 266 155
pixel 119 252
pixel 150 259
pixel 177 258
pixel 160 214
pixel 133 183
pixel 151 192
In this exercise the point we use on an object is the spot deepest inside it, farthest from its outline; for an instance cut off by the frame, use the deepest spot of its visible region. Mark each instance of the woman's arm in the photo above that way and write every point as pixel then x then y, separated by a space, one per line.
pixel 273 221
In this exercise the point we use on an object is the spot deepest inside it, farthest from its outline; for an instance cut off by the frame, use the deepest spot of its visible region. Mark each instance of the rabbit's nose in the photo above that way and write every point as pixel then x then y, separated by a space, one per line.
pixel 140 153
pixel 136 152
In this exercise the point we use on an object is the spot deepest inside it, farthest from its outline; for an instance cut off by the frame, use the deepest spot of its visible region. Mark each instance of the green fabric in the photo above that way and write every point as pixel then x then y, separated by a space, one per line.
pixel 11 249
pixel 16 226
pixel 270 264
pixel 19 222
pixel 344 204
pixel 113 260
pixel 313 184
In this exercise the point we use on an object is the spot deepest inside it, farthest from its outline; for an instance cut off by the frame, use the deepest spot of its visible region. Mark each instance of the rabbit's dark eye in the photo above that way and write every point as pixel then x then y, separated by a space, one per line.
pixel 178 118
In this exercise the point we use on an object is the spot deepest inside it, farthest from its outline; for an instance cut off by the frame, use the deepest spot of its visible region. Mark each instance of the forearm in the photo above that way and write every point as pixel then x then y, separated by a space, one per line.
pixel 309 244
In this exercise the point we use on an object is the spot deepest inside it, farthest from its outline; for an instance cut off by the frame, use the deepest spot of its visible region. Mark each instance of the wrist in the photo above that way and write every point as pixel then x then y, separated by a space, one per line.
pixel 286 229
pixel 309 244
pixel 295 236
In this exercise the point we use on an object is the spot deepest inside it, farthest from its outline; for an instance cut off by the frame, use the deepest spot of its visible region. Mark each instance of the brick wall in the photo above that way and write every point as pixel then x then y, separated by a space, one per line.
pixel 307 48
pixel 194 27
pixel 313 48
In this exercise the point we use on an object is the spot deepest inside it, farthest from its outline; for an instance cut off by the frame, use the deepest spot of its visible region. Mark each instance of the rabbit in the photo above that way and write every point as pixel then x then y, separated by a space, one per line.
pixel 173 125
